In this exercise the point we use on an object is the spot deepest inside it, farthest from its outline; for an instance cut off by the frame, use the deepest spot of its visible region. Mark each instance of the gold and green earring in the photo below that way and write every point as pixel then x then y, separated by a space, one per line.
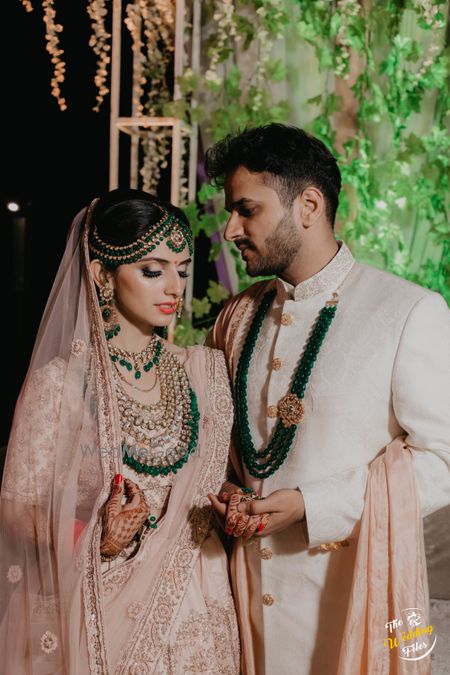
pixel 109 314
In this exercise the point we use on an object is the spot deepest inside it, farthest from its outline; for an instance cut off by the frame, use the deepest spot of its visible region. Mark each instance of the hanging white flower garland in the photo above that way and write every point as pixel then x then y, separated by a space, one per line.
pixel 52 29
pixel 99 42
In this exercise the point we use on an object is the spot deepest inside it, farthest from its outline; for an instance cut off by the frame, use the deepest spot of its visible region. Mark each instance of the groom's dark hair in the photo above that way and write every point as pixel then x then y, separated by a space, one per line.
pixel 290 158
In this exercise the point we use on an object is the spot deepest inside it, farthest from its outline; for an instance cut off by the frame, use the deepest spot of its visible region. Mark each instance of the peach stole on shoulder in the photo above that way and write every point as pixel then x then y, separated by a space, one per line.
pixel 390 570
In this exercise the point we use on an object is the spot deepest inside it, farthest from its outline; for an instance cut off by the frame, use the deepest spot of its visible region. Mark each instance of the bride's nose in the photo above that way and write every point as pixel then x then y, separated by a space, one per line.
pixel 174 283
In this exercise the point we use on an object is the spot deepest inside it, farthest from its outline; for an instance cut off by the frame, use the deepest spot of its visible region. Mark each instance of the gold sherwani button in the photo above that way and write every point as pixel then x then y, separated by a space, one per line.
pixel 266 553
pixel 272 411
pixel 268 599
pixel 286 319
pixel 334 545
pixel 277 364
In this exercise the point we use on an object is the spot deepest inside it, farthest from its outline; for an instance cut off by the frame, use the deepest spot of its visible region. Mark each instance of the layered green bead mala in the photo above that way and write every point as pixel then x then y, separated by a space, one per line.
pixel 263 463
pixel 152 425
pixel 192 424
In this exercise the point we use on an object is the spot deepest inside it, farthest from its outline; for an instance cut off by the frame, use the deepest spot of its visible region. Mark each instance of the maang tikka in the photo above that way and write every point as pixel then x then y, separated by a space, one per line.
pixel 109 314
pixel 176 233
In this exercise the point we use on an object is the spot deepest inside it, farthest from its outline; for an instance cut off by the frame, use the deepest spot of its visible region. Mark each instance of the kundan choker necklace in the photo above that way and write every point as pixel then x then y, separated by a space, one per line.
pixel 290 409
pixel 137 361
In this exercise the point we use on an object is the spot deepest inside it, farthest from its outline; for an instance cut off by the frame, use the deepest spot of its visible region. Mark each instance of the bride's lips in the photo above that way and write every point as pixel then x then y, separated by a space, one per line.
pixel 167 307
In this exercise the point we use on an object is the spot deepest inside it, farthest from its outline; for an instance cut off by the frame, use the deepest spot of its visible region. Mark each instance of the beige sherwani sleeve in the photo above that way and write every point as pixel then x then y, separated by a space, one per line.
pixel 420 394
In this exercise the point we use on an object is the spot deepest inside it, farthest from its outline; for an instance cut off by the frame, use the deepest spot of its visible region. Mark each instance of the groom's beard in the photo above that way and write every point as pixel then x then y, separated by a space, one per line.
pixel 277 251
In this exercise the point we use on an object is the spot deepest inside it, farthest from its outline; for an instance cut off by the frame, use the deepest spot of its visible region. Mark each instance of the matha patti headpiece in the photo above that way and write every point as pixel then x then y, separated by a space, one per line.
pixel 175 232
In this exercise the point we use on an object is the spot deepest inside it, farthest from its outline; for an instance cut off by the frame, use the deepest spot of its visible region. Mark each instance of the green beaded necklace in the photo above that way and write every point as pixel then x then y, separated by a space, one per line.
pixel 143 360
pixel 173 378
pixel 192 424
pixel 263 463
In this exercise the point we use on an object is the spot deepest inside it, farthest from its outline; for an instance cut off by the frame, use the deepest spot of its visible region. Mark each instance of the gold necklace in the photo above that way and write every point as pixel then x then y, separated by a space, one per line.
pixel 144 360
pixel 159 438
pixel 130 384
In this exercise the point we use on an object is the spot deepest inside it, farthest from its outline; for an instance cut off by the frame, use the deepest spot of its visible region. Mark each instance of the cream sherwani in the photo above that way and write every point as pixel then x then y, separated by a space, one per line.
pixel 383 370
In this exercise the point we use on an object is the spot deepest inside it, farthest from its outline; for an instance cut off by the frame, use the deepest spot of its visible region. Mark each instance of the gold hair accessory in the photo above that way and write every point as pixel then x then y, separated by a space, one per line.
pixel 174 232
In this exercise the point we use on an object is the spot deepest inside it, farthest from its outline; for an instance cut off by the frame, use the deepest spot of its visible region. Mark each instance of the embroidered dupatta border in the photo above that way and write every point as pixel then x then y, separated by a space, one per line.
pixel 109 437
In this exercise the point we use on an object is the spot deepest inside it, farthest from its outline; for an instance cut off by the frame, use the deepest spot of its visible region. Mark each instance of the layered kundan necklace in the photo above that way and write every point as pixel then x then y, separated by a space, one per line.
pixel 156 438
pixel 290 409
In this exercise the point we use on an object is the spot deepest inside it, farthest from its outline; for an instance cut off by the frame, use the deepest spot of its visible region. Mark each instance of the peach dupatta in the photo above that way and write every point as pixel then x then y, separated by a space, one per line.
pixel 390 575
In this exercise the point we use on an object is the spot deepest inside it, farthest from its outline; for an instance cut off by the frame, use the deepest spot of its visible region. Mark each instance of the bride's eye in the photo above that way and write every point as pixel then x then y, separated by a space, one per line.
pixel 183 274
pixel 151 273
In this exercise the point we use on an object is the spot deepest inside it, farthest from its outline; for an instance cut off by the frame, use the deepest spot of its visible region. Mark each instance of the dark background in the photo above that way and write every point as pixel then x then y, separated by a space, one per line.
pixel 54 163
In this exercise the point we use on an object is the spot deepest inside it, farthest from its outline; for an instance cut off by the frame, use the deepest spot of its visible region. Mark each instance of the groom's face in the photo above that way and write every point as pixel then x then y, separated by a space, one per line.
pixel 261 227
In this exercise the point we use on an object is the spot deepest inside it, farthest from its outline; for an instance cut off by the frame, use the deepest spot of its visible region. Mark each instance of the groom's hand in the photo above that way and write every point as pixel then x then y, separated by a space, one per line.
pixel 285 507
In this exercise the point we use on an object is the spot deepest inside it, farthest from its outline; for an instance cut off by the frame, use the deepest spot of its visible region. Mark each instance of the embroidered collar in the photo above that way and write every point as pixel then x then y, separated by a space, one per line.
pixel 328 279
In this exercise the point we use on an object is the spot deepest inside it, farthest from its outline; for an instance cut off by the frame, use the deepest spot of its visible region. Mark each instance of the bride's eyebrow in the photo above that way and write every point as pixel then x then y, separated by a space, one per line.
pixel 163 260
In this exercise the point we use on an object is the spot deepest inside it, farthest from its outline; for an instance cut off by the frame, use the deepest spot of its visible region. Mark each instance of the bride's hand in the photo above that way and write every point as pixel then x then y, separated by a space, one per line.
pixel 122 521
pixel 228 489
pixel 219 502
pixel 234 523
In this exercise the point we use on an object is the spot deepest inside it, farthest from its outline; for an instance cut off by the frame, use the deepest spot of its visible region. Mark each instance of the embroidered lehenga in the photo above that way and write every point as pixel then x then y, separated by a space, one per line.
pixel 164 605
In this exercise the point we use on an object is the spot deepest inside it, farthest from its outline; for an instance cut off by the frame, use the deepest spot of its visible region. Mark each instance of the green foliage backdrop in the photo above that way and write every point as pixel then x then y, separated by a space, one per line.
pixel 389 57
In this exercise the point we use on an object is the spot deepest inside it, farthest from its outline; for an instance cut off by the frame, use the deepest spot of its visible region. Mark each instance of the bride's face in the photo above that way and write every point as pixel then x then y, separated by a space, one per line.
pixel 147 291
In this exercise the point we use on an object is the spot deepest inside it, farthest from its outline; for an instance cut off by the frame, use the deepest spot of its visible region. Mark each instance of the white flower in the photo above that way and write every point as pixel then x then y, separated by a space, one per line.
pixel 213 77
pixel 14 574
pixel 401 202
pixel 49 642
pixel 400 258
pixel 381 205
pixel 405 169
pixel 78 347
